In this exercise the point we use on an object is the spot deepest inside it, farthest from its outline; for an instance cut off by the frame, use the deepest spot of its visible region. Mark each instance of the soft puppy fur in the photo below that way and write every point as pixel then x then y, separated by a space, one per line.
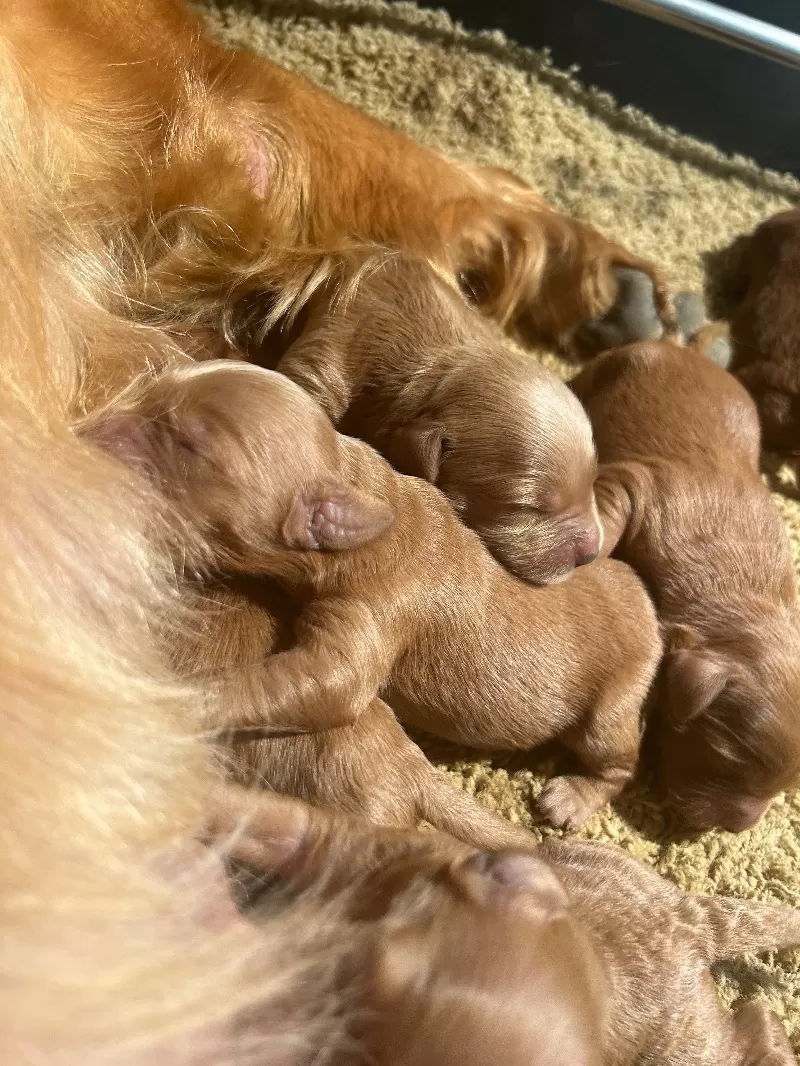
pixel 243 185
pixel 120 943
pixel 405 365
pixel 765 327
pixel 683 503
pixel 454 948
pixel 395 590
pixel 656 945
pixel 370 768
pixel 609 963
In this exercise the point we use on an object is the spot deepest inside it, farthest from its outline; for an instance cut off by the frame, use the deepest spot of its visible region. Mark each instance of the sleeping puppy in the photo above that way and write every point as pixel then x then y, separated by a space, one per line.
pixel 683 503
pixel 370 768
pixel 573 953
pixel 405 365
pixel 393 589
pixel 765 329
pixel 457 955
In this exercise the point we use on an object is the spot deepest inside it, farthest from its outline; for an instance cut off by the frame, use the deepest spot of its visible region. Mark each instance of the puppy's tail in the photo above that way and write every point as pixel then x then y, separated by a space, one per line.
pixel 732 927
pixel 451 810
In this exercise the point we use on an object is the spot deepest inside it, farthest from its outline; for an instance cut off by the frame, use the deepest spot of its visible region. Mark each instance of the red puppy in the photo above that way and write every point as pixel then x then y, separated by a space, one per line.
pixel 683 503
pixel 393 588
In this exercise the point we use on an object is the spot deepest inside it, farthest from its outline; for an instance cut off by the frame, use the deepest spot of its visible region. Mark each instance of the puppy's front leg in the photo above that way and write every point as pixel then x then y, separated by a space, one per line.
pixel 609 749
pixel 326 680
pixel 607 744
pixel 320 368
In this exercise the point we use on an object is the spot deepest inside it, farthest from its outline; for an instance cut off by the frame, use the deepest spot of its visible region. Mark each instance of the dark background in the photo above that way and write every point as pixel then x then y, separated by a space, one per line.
pixel 736 101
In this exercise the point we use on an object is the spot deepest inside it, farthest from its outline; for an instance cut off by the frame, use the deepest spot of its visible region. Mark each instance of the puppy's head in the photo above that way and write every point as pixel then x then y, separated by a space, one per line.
pixel 512 449
pixel 247 457
pixel 480 960
pixel 457 955
pixel 730 725
pixel 776 392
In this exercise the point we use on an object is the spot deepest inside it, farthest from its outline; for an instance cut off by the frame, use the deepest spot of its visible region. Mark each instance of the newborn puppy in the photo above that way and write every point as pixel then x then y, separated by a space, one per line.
pixel 409 367
pixel 765 328
pixel 573 953
pixel 393 588
pixel 683 503
pixel 370 768
pixel 452 949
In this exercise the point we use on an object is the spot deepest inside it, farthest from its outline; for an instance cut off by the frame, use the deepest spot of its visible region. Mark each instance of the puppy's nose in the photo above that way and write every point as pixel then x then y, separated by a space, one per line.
pixel 733 815
pixel 587 546
pixel 743 814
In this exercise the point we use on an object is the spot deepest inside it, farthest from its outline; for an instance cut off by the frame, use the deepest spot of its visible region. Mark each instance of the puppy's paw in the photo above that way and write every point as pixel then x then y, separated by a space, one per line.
pixel 634 315
pixel 567 802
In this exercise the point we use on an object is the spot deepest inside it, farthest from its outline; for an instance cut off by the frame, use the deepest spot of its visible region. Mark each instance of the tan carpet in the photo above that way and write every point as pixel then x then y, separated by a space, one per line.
pixel 670 198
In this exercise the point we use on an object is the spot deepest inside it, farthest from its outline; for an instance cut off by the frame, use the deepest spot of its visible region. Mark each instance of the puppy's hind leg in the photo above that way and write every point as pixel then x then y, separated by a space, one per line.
pixel 608 746
pixel 405 788
pixel 729 927
pixel 451 810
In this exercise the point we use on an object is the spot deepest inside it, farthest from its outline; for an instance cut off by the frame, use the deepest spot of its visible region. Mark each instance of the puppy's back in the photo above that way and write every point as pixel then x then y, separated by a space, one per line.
pixel 661 399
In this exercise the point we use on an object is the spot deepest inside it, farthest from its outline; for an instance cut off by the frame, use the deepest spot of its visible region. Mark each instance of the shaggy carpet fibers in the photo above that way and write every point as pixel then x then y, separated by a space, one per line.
pixel 480 98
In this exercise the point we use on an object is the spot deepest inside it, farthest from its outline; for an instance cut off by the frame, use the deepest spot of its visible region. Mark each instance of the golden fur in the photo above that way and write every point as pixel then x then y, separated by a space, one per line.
pixel 682 502
pixel 391 588
pixel 406 366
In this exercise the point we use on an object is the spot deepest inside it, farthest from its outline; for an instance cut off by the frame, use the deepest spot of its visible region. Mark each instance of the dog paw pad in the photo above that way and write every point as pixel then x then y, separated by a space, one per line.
pixel 633 317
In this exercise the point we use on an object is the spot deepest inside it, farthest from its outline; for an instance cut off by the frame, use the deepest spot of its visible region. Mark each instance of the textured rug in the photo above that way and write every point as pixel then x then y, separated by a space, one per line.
pixel 480 98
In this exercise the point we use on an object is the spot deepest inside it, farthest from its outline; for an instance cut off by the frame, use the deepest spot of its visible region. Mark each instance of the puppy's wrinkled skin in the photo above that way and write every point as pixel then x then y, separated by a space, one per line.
pixel 406 366
pixel 371 768
pixel 683 503
pixel 394 589
pixel 765 328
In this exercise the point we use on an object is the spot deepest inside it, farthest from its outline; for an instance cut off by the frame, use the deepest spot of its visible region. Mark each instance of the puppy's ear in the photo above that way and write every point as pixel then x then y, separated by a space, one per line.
pixel 417 450
pixel 335 519
pixel 499 876
pixel 693 678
